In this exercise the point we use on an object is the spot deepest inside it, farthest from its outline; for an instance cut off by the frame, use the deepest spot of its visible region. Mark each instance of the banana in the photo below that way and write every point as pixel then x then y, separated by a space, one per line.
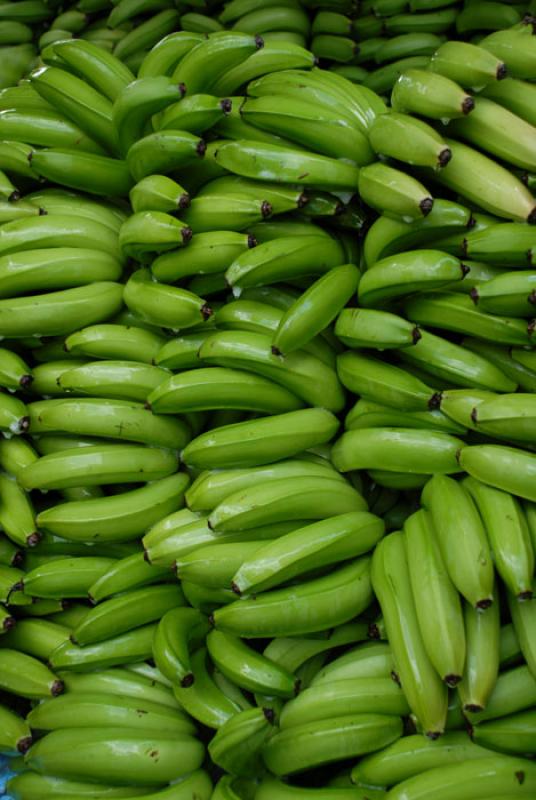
pixel 499 132
pixel 304 375
pixel 505 468
pixel 36 637
pixel 106 418
pixel 25 676
pixel 270 162
pixel 90 172
pixel 337 598
pixel 55 268
pixel 382 79
pixel 123 380
pixel 406 45
pixel 29 11
pixel 16 736
pixel 513 734
pixel 472 574
pixel 455 312
pixel 79 102
pixel 316 308
pixel 45 128
pixel 167 53
pixel 126 612
pixel 286 51
pixel 362 327
pixel 467 64
pixel 454 364
pixel 208 253
pixel 164 305
pixel 238 742
pixel 481 180
pixel 92 466
pixel 408 272
pixel 205 598
pixel 511 293
pixel 293 652
pixel 326 542
pixel 10 555
pixel 320 742
pixel 202 66
pixel 14 159
pixel 248 669
pixel 213 212
pixel 130 647
pixel 408 139
pixel 281 198
pixel 200 22
pixel 511 241
pixel 57 230
pixel 148 233
pixel 10 587
pixel 284 500
pixel 158 193
pixel 116 755
pixel 212 487
pixel 515 48
pixel 7 622
pixel 115 342
pixel 217 387
pixel 17 515
pixel 261 441
pixel 514 691
pixel 163 152
pixel 119 681
pixel 489 16
pixel 321 130
pixel 178 632
pixel 413 755
pixel 368 414
pixel 367 660
pixel 33 786
pixel 433 22
pixel 397 450
pixel 391 583
pixel 270 787
pixel 11 210
pixel 129 573
pixel 523 619
pixel 195 113
pixel 502 358
pixel 137 102
pixel 132 48
pixel 280 259
pixel 437 602
pixel 102 70
pixel 14 372
pixel 344 697
pixel 14 32
pixel 55 200
pixel 8 190
pixel 499 417
pixel 74 711
pixel 515 95
pixel 508 535
pixel 430 95
pixel 49 581
pixel 115 518
pixel 383 382
pixel 331 22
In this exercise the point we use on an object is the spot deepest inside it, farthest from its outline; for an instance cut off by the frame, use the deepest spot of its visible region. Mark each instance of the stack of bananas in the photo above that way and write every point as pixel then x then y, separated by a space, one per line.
pixel 268 466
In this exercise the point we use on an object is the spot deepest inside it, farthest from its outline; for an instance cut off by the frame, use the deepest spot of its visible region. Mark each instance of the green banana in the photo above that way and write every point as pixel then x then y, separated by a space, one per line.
pixel 472 574
pixel 118 681
pixel 64 578
pixel 164 56
pixel 137 102
pixel 296 553
pixel 116 518
pixel 408 139
pixel 178 632
pixel 413 755
pixel 393 192
pixel 430 95
pixel 322 741
pixel 362 327
pixel 147 233
pixel 439 612
pixel 523 622
pixel 513 691
pixel 511 241
pixel 144 36
pixel 304 375
pixel 113 341
pixel 380 381
pixel 17 515
pixel 506 468
pixel 89 172
pixel 513 734
pixel 116 755
pixel 45 128
pixel 397 450
pixel 391 583
pixel 270 162
pixel 508 535
pixel 158 193
pixel 237 744
pixel 16 736
pixel 515 48
pixel 209 253
pixel 368 660
pixel 128 573
pixel 130 647
pixel 455 312
pixel 33 786
pixel 515 95
pixel 406 273
pixel 508 293
pixel 164 305
pixel 122 380
pixel 200 69
pixel 368 414
pixel 196 113
pixel 270 787
pixel 162 152
pixel 25 676
pixel 101 69
pixel 467 64
pixel 36 637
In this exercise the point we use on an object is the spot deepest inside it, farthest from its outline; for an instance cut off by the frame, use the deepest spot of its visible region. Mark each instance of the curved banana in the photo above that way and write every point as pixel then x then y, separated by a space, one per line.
pixel 439 612
pixel 106 73
pixel 25 676
pixel 430 95
pixel 472 572
pixel 114 342
pixel 132 47
pixel 36 637
pixel 164 305
pixel 208 253
pixel 393 192
pixel 408 139
pixel 314 605
pixel 163 152
pixel 164 56
pixel 158 193
pixel 286 52
pixel 130 647
pixel 391 583
pixel 322 741
pixel 506 468
pixel 119 681
pixel 515 95
pixel 523 618
pixel 202 66
pixel 89 172
pixel 178 632
pixel 122 380
pixel 116 518
pixel 128 573
pixel 49 581
pixel 137 102
pixel 16 736
pixel 17 515
pixel 363 327
pixel 238 742
pixel 514 47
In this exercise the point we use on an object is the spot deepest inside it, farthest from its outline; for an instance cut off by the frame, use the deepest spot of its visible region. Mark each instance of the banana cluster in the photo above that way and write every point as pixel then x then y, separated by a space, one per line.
pixel 268 415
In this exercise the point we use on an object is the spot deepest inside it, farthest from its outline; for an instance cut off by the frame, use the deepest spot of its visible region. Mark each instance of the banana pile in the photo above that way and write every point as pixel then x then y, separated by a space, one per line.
pixel 268 400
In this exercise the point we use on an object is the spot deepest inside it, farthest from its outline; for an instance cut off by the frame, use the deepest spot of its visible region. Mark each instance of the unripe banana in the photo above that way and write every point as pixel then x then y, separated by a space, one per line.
pixel 25 676
pixel 506 468
pixel 238 742
pixel 515 95
pixel 338 596
pixel 467 64
pixel 17 515
pixel 360 327
pixel 164 305
pixel 113 341
pixel 393 192
pixel 430 95
pixel 102 70
pixel 15 734
pixel 119 681
pixel 162 152
pixel 523 618
pixel 391 583
pixel 515 48
pixel 408 139
pixel 36 637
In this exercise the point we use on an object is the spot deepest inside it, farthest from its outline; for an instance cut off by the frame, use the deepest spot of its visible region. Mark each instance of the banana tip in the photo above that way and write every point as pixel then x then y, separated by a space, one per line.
pixel 24 424
pixel 524 596
pixel 235 588
pixel 433 735
pixel 426 205
pixel 259 42
pixel 468 104
pixel 57 688
pixel 26 381
pixel 206 311
pixel 14 196
pixel 184 201
pixel 502 72
pixel 201 148
pixel 226 105
pixel 531 219
pixel 188 680
pixel 24 744
pixel 266 209
pixel 475 297
pixel 252 242
pixel 473 708
pixel 482 605
pixel 276 351
pixel 33 539
pixel 9 623
pixel 452 680
pixel 269 715
pixel 373 631
pixel 435 400
pixel 444 157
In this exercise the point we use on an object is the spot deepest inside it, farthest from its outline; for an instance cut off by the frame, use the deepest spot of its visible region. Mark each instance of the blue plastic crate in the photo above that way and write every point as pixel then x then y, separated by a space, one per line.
pixel 5 775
